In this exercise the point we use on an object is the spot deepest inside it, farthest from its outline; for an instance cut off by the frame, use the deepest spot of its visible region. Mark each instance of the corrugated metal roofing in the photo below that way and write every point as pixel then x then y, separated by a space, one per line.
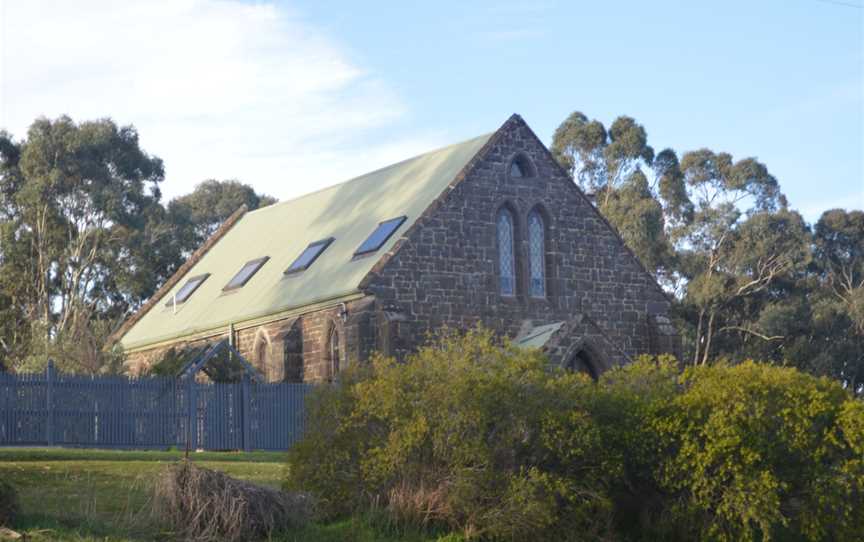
pixel 348 212
pixel 538 336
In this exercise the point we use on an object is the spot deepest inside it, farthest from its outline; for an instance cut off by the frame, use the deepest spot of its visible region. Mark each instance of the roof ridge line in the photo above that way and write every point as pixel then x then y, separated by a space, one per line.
pixel 358 177
pixel 651 278
pixel 434 204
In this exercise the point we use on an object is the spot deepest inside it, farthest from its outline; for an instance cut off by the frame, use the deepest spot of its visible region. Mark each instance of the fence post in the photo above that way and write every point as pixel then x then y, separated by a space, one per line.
pixel 192 424
pixel 49 400
pixel 246 411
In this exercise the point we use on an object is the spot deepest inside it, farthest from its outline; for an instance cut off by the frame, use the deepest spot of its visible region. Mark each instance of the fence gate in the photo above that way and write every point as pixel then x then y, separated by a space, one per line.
pixel 220 412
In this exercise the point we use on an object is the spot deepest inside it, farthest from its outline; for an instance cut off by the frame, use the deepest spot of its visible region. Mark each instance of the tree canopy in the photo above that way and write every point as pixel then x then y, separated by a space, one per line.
pixel 85 239
pixel 749 276
pixel 198 214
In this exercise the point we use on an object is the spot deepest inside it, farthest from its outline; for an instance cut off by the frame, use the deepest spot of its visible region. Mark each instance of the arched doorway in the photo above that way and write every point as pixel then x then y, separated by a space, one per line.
pixel 583 362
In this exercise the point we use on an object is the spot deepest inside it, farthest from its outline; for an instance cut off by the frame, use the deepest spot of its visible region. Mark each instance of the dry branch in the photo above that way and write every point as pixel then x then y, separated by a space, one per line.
pixel 200 504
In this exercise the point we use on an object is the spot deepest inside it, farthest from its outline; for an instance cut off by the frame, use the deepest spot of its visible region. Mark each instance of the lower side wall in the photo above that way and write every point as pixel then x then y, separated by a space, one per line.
pixel 352 324
pixel 298 348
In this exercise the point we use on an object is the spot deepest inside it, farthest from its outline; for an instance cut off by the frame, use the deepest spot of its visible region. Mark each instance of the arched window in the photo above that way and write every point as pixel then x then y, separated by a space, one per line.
pixel 506 255
pixel 537 254
pixel 333 352
pixel 262 361
pixel 521 167
pixel 293 348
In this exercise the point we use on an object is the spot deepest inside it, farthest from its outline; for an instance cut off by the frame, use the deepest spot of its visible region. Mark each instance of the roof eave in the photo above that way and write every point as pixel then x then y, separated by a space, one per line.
pixel 187 266
pixel 264 317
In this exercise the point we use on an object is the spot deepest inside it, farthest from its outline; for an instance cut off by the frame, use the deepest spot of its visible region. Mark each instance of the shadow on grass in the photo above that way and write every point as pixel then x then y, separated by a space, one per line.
pixel 42 528
pixel 361 529
pixel 39 527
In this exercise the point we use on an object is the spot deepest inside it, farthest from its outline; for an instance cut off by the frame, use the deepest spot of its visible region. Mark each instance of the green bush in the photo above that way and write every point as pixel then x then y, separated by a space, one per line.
pixel 488 440
pixel 8 503
pixel 755 452
pixel 469 435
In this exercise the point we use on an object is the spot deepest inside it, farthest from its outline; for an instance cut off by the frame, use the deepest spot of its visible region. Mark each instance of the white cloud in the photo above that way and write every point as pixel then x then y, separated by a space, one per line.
pixel 216 88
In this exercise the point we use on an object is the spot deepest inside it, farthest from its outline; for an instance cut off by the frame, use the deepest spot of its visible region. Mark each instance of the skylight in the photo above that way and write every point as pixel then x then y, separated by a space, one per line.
pixel 245 273
pixel 380 236
pixel 187 290
pixel 309 255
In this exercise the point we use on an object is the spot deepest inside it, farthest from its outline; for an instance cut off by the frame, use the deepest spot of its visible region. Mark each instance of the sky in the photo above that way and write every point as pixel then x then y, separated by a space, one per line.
pixel 290 97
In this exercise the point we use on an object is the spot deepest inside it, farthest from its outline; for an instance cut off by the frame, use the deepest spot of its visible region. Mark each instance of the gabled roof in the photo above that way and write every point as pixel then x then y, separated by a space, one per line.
pixel 347 212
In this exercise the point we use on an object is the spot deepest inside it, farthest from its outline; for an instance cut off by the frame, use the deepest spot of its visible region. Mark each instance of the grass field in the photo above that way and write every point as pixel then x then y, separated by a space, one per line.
pixel 96 495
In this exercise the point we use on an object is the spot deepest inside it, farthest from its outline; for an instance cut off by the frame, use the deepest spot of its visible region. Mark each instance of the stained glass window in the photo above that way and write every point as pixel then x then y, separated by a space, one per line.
pixel 537 254
pixel 506 257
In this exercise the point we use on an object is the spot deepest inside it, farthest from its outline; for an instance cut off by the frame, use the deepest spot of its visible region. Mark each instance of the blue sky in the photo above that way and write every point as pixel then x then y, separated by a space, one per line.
pixel 292 96
pixel 779 80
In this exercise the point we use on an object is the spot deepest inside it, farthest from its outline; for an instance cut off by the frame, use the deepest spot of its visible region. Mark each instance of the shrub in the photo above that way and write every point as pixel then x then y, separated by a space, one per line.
pixel 754 452
pixel 469 434
pixel 8 503
pixel 625 404
pixel 203 504
pixel 745 452
pixel 489 440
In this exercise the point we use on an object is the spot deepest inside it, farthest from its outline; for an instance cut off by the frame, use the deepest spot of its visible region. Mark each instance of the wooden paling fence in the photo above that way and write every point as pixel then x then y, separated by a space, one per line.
pixel 57 409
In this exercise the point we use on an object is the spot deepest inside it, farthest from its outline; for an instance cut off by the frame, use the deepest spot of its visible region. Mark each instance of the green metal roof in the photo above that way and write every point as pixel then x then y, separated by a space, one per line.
pixel 538 336
pixel 348 212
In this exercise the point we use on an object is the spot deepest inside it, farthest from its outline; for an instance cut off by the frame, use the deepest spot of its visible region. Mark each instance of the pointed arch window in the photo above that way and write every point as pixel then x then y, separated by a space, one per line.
pixel 293 355
pixel 521 167
pixel 537 254
pixel 506 255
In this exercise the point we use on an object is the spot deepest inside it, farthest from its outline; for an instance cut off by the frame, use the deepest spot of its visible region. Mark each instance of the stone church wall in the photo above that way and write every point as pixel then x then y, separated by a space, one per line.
pixel 263 345
pixel 446 272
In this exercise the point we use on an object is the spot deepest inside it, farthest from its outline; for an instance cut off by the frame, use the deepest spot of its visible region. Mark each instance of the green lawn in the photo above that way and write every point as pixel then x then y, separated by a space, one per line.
pixel 101 495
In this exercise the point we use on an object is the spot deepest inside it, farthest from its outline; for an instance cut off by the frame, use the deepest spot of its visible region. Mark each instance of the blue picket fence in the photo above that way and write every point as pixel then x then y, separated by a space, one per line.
pixel 57 409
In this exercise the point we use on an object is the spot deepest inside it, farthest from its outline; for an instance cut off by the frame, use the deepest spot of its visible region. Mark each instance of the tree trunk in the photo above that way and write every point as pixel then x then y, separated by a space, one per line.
pixel 697 349
pixel 710 335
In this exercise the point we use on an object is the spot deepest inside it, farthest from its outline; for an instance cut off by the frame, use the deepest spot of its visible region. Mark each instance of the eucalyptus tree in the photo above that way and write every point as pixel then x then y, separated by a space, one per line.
pixel 611 165
pixel 838 325
pixel 738 242
pixel 197 215
pixel 715 231
pixel 75 199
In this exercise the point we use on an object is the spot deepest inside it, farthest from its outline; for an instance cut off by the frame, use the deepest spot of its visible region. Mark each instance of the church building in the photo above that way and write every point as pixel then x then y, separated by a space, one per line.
pixel 491 230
